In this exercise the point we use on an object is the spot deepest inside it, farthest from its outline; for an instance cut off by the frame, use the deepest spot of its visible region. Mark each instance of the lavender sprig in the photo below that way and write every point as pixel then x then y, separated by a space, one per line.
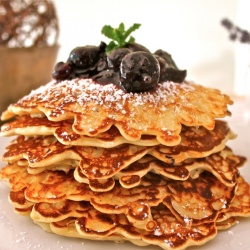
pixel 235 32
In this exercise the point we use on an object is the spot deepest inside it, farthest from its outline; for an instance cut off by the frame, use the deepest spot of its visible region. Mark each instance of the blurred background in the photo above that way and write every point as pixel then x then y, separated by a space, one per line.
pixel 190 30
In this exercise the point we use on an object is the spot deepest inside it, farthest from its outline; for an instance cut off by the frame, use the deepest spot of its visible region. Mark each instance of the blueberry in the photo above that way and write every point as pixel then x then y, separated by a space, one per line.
pixel 84 57
pixel 106 77
pixel 175 75
pixel 136 47
pixel 163 67
pixel 62 71
pixel 170 73
pixel 88 60
pixel 168 68
pixel 167 57
pixel 115 57
pixel 139 71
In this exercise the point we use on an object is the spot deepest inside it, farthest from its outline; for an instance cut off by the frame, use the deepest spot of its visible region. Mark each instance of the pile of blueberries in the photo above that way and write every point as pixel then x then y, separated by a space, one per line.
pixel 133 68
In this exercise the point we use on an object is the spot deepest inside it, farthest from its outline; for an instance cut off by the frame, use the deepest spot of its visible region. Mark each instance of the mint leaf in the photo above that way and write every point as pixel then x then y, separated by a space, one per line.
pixel 121 27
pixel 131 40
pixel 112 45
pixel 119 35
pixel 134 27
pixel 107 30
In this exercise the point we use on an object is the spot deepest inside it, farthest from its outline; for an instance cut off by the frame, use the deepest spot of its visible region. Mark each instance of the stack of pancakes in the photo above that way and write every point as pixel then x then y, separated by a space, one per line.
pixel 153 168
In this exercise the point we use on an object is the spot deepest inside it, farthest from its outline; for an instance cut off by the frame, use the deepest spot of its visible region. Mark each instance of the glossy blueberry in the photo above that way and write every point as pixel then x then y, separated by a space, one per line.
pixel 139 71
pixel 167 57
pixel 115 57
pixel 168 69
pixel 106 77
pixel 62 71
pixel 136 47
pixel 83 57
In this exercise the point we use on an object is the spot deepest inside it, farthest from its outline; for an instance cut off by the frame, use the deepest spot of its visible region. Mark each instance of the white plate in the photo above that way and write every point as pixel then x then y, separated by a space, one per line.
pixel 18 232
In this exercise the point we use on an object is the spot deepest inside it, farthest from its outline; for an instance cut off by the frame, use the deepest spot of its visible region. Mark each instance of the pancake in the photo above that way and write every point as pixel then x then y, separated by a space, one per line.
pixel 205 194
pixel 45 152
pixel 37 151
pixel 18 200
pixel 94 110
pixel 196 142
pixel 53 212
pixel 58 211
pixel 226 224
pixel 79 219
pixel 117 226
pixel 98 166
pixel 240 206
pixel 224 165
pixel 34 126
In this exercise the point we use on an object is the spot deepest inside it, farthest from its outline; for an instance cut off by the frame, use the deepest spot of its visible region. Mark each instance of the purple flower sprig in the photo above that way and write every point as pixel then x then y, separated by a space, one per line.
pixel 235 32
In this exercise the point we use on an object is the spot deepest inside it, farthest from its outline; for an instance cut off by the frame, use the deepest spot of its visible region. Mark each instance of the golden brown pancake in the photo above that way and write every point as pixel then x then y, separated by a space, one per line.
pixel 18 200
pixel 156 211
pixel 226 224
pixel 197 200
pixel 79 219
pixel 116 225
pixel 223 165
pixel 45 152
pixel 240 206
pixel 37 151
pixel 51 212
pixel 97 166
pixel 96 108
pixel 34 126
pixel 196 142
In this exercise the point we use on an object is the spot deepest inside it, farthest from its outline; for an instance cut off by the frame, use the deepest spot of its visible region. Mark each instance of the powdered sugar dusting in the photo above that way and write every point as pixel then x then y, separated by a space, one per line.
pixel 84 91
pixel 95 108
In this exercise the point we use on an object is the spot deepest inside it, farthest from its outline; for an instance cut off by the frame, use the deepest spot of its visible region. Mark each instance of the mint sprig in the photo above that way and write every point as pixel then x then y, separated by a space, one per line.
pixel 119 36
